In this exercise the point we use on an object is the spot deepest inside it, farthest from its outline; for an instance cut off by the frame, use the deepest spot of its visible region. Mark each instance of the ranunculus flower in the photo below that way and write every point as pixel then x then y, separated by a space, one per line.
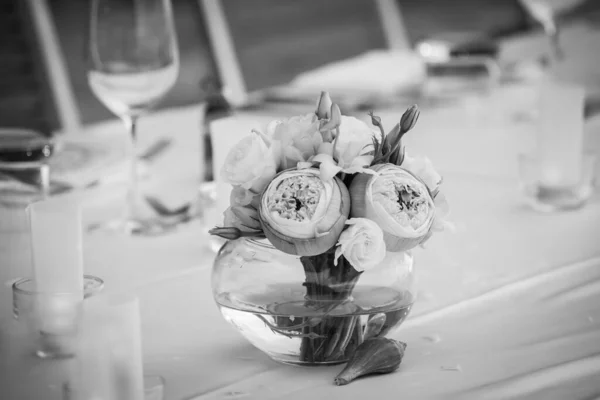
pixel 398 202
pixel 349 151
pixel 298 137
pixel 422 168
pixel 362 244
pixel 303 215
pixel 250 164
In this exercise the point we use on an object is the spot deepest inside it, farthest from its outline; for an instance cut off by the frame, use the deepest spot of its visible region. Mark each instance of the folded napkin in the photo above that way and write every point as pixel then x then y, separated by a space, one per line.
pixel 82 162
pixel 373 76
pixel 376 71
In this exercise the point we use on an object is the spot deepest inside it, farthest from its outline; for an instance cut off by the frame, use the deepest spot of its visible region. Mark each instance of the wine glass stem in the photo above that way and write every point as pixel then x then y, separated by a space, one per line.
pixel 132 192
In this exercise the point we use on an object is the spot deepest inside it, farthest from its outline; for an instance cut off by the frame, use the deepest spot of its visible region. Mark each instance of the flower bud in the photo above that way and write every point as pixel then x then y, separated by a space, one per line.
pixel 375 120
pixel 409 118
pixel 324 106
pixel 229 233
pixel 335 120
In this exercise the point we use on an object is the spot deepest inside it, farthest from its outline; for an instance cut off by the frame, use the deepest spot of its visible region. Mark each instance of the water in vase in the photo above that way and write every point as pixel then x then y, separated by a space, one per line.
pixel 291 328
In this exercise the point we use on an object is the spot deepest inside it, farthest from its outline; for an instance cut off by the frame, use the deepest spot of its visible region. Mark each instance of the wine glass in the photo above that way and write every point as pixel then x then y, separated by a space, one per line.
pixel 133 63
pixel 543 12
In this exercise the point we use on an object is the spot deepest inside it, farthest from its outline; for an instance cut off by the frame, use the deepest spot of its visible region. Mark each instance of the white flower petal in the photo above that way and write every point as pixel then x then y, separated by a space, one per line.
pixel 323 158
pixel 248 161
pixel 422 167
pixel 328 171
pixel 304 165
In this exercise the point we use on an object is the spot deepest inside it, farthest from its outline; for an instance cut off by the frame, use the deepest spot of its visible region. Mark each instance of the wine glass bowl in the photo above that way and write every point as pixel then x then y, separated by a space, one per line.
pixel 133 62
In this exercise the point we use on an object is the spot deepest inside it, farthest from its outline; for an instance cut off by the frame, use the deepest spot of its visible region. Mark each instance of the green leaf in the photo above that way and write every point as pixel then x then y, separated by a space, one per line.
pixel 392 136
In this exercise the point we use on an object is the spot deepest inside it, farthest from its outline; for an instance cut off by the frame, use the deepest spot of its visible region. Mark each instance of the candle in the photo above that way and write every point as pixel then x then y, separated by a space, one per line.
pixel 57 246
pixel 111 351
pixel 560 134
pixel 57 272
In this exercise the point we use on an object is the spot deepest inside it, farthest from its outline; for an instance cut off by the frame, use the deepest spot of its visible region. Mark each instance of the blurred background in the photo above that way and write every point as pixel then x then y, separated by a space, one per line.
pixel 274 40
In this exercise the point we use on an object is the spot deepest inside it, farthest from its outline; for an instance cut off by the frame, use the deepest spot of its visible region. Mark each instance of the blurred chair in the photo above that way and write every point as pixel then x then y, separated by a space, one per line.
pixel 34 87
pixel 494 18
pixel 270 42
pixel 260 44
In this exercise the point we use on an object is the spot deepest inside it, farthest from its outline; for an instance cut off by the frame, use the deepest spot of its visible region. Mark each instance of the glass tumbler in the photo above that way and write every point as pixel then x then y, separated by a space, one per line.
pixel 544 197
pixel 50 320
pixel 24 171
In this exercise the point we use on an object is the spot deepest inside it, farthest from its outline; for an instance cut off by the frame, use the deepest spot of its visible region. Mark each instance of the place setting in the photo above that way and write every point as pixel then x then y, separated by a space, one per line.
pixel 126 79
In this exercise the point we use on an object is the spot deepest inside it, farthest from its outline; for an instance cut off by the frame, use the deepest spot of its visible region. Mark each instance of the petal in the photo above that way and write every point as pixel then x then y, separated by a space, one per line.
pixel 240 196
pixel 304 165
pixel 325 148
pixel 293 153
pixel 317 140
pixel 441 205
pixel 328 171
pixel 362 160
pixel 354 170
pixel 276 151
pixel 338 254
pixel 272 128
pixel 247 216
pixel 323 158
pixel 264 140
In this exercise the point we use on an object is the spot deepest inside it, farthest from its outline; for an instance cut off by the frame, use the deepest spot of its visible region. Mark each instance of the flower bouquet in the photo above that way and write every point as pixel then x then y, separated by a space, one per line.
pixel 343 198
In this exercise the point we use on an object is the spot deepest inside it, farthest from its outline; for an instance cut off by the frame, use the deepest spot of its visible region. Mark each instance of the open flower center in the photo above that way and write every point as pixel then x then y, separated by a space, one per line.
pixel 296 198
pixel 406 204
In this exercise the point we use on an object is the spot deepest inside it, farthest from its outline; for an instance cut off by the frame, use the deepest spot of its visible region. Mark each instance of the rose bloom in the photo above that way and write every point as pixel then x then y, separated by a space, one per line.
pixel 250 164
pixel 298 138
pixel 361 243
pixel 355 138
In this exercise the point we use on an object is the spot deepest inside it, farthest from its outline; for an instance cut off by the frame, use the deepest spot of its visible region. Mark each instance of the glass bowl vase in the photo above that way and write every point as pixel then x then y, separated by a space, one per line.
pixel 306 310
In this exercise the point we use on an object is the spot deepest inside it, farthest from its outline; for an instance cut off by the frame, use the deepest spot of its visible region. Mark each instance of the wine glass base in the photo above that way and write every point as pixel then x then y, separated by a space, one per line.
pixel 134 227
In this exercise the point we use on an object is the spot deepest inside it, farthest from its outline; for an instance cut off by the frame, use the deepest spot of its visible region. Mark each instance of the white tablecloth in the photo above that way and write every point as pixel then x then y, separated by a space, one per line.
pixel 509 305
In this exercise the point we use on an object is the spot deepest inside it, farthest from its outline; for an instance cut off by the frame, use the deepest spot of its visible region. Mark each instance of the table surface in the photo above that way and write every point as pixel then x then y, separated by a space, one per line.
pixel 508 307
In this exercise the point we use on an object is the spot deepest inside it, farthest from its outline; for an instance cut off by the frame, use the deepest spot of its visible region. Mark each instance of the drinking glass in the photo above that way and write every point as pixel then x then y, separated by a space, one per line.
pixel 24 171
pixel 50 319
pixel 133 63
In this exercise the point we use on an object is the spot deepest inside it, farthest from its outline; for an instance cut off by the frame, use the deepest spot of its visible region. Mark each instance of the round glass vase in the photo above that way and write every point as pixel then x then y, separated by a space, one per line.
pixel 307 310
